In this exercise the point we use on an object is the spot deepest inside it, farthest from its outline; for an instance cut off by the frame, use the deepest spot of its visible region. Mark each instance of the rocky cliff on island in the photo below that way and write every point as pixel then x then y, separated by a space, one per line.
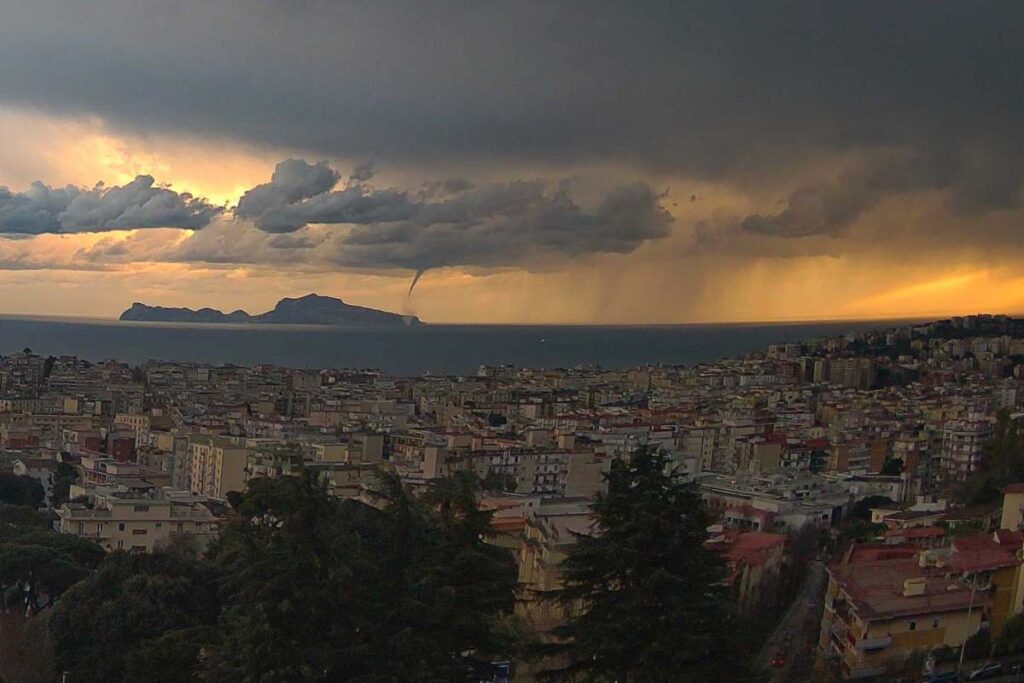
pixel 311 309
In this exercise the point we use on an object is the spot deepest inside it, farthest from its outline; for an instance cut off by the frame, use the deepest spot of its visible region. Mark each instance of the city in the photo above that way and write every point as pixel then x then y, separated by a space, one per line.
pixel 869 485
pixel 434 341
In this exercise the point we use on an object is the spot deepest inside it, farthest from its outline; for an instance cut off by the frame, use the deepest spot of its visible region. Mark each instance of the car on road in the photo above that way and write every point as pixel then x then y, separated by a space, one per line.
pixel 990 670
pixel 778 660
pixel 944 677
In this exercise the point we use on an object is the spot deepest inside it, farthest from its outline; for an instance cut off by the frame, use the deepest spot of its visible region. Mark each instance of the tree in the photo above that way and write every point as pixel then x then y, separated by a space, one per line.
pixel 1011 638
pixel 320 589
pixel 499 482
pixel 64 476
pixel 645 598
pixel 138 618
pixel 45 564
pixel 861 510
pixel 892 467
pixel 18 489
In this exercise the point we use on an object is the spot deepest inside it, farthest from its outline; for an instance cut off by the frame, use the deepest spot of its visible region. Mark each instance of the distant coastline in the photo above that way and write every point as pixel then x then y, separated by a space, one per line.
pixel 401 350
pixel 311 309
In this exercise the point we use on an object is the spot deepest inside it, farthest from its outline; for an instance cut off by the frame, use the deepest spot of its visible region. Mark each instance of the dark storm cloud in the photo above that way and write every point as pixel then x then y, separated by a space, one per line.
pixel 455 223
pixel 710 88
pixel 298 194
pixel 138 204
pixel 508 225
pixel 978 181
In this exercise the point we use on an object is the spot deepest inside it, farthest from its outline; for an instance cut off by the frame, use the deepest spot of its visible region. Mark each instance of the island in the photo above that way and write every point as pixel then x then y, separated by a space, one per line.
pixel 311 309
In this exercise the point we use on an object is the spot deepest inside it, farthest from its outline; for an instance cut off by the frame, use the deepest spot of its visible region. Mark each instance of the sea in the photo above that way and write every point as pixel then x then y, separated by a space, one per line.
pixel 406 351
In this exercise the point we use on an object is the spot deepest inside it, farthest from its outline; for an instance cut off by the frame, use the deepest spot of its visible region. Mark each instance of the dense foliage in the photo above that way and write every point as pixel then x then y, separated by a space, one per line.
pixel 18 489
pixel 1011 638
pixel 64 476
pixel 140 618
pixel 645 598
pixel 304 587
pixel 38 562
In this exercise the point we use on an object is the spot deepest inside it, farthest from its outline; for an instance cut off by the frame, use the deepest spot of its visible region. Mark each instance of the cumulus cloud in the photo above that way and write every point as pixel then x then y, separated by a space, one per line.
pixel 451 222
pixel 139 204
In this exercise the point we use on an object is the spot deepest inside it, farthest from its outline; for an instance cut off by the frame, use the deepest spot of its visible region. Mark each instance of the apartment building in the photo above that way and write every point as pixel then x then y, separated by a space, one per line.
pixel 881 605
pixel 217 466
pixel 125 521
pixel 359 448
pixel 963 447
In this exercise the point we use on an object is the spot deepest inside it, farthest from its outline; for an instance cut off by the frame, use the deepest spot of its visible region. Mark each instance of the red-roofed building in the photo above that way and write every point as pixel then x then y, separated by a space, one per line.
pixel 882 604
pixel 991 563
pixel 754 559
pixel 917 536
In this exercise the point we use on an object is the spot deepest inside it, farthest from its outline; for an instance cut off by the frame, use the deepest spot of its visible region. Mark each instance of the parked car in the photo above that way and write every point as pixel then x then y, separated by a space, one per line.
pixel 987 671
pixel 944 677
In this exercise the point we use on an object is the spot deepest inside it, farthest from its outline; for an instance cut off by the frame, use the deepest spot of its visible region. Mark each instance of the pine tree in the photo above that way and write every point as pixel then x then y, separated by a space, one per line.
pixel 645 598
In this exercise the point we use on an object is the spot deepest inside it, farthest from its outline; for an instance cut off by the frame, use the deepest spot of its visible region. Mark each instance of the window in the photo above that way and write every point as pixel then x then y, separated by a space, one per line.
pixel 935 622
pixel 159 525
pixel 120 526
pixel 913 625
pixel 138 532
pixel 120 544
pixel 141 508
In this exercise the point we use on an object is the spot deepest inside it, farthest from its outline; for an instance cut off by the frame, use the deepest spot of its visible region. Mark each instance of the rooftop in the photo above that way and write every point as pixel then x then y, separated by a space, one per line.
pixel 875 589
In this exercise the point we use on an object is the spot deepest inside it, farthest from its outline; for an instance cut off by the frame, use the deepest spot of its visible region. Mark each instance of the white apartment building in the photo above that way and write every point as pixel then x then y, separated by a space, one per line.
pixel 128 522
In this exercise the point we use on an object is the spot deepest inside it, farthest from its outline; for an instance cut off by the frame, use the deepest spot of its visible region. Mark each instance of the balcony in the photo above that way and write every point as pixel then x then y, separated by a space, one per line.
pixel 839 632
pixel 874 644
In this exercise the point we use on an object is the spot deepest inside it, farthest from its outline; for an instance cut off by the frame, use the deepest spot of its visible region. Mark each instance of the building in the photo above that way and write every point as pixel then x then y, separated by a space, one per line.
pixel 963 447
pixel 218 466
pixel 754 560
pixel 551 528
pixel 124 521
pixel 882 605
pixel 1013 507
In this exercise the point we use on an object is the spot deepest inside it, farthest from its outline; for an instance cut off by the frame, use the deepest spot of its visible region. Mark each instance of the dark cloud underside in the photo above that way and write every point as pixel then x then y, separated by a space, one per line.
pixel 702 87
pixel 453 223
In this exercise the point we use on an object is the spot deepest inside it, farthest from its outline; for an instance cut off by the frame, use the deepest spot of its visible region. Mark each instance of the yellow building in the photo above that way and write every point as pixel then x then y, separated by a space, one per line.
pixel 990 564
pixel 1013 507
pixel 882 605
pixel 218 466
pixel 551 529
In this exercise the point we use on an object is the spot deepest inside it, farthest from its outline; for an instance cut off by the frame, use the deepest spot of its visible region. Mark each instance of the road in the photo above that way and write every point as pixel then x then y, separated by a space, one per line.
pixel 796 634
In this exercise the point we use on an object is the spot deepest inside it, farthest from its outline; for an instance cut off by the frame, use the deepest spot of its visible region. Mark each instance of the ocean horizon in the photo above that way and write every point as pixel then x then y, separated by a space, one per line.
pixel 449 349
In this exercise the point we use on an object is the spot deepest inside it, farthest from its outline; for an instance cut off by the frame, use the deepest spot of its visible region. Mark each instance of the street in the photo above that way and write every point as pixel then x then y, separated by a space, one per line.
pixel 796 634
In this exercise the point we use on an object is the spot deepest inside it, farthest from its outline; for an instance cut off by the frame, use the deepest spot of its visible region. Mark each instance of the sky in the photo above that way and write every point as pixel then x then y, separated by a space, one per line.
pixel 519 162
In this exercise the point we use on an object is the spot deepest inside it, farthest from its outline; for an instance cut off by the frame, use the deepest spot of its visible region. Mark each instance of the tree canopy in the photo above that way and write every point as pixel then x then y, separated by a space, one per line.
pixel 63 477
pixel 40 561
pixel 139 618
pixel 18 489
pixel 301 587
pixel 646 600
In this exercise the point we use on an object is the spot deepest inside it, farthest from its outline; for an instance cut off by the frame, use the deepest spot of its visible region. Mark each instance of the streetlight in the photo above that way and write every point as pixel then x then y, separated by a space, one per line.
pixel 970 606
